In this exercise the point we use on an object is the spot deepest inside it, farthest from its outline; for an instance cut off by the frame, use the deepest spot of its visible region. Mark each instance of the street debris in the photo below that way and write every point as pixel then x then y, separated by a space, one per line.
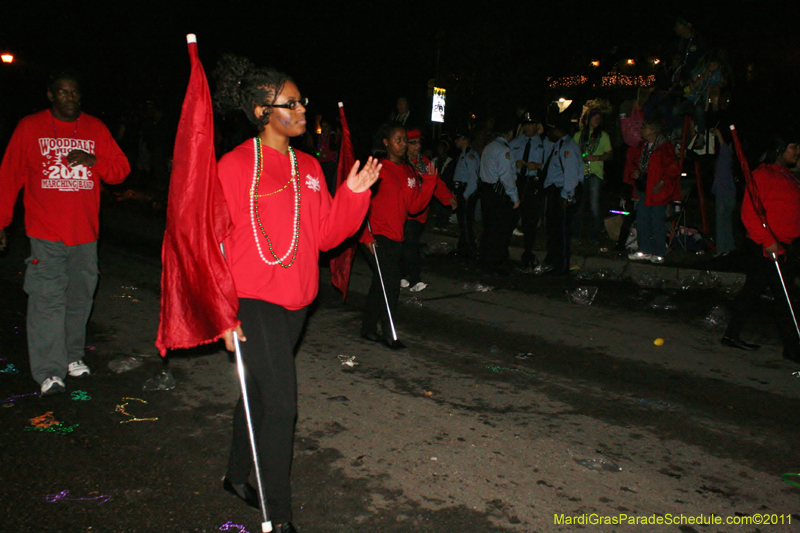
pixel 10 369
pixel 163 380
pixel 662 303
pixel 62 496
pixel 347 360
pixel 80 396
pixel 228 526
pixel 787 479
pixel 599 465
pixel 477 287
pixel 439 248
pixel 525 355
pixel 655 403
pixel 125 364
pixel 415 301
pixel 495 368
pixel 582 295
pixel 659 342
pixel 9 402
pixel 121 409
pixel 48 423
pixel 717 317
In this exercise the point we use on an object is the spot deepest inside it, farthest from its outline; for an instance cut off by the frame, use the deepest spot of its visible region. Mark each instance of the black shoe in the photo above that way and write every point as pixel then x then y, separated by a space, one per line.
pixel 285 528
pixel 370 336
pixel 739 343
pixel 394 345
pixel 244 492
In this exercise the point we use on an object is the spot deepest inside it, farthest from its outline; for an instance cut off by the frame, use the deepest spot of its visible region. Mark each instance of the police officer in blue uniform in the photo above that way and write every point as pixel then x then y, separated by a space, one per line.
pixel 499 198
pixel 563 175
pixel 465 183
pixel 527 150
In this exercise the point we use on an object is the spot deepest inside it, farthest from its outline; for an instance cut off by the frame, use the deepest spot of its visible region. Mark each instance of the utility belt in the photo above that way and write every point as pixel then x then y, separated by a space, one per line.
pixel 492 188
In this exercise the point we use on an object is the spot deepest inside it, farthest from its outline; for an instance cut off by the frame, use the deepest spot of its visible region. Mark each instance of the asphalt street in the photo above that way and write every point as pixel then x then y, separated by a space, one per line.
pixel 513 409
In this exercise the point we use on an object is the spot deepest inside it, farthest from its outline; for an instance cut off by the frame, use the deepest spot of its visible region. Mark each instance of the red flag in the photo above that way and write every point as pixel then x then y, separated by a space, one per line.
pixel 198 297
pixel 343 263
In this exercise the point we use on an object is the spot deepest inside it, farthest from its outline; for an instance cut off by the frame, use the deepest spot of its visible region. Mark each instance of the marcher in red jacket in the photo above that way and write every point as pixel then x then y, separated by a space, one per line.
pixel 411 263
pixel 652 169
pixel 398 194
pixel 282 216
pixel 771 216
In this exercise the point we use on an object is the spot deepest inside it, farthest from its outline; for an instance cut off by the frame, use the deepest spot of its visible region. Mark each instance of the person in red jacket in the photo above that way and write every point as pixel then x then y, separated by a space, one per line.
pixel 282 216
pixel 59 157
pixel 771 216
pixel 411 262
pixel 398 194
pixel 653 171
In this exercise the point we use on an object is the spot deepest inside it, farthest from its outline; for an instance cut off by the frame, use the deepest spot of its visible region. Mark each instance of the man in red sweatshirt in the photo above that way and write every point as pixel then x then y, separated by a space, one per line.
pixel 59 156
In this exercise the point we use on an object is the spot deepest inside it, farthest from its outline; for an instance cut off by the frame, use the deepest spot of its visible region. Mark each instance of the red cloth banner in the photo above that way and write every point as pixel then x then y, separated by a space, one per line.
pixel 342 264
pixel 198 296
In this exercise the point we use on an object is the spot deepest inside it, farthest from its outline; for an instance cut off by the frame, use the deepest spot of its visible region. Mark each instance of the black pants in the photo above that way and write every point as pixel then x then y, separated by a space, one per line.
pixel 272 332
pixel 531 211
pixel 389 256
pixel 558 230
pixel 497 212
pixel 761 273
pixel 466 221
pixel 411 258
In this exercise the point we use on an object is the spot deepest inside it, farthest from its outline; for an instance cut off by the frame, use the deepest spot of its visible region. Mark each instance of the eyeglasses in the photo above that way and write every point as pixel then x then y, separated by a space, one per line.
pixel 417 141
pixel 291 104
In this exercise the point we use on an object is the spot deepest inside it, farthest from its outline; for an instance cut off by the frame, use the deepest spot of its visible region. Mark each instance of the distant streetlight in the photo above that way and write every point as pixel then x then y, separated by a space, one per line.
pixel 595 63
pixel 631 62
pixel 7 58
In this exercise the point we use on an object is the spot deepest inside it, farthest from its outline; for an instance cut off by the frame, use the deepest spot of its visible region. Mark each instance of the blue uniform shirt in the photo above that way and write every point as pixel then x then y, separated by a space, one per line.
pixel 498 165
pixel 565 170
pixel 535 155
pixel 467 171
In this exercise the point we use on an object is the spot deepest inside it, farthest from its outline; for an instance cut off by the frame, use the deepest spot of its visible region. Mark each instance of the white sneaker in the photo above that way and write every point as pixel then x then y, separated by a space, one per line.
pixel 639 256
pixel 418 287
pixel 78 369
pixel 404 284
pixel 517 232
pixel 657 259
pixel 52 385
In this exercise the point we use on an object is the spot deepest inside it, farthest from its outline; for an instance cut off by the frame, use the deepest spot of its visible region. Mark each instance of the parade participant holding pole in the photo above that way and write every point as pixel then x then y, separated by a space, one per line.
pixel 59 156
pixel 397 195
pixel 282 216
pixel 771 216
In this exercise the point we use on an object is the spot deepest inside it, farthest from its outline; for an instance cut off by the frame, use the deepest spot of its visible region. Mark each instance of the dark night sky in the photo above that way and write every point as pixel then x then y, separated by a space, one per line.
pixel 367 53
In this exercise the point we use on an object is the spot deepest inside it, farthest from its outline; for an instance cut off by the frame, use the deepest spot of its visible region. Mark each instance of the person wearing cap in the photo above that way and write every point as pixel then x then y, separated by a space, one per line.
pixel 465 181
pixel 59 157
pixel 527 151
pixel 411 260
pixel 563 174
pixel 595 145
pixel 499 198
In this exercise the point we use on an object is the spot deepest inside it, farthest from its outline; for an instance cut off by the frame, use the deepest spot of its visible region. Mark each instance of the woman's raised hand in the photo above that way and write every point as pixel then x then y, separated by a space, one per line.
pixel 362 181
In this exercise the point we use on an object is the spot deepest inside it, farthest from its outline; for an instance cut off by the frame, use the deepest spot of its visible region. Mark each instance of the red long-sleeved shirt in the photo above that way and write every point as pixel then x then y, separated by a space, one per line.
pixel 324 223
pixel 779 193
pixel 397 194
pixel 440 192
pixel 62 203
pixel 663 166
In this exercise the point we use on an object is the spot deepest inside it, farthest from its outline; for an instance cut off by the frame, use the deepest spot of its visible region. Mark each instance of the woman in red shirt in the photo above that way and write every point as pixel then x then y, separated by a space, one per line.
pixel 282 217
pixel 397 194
